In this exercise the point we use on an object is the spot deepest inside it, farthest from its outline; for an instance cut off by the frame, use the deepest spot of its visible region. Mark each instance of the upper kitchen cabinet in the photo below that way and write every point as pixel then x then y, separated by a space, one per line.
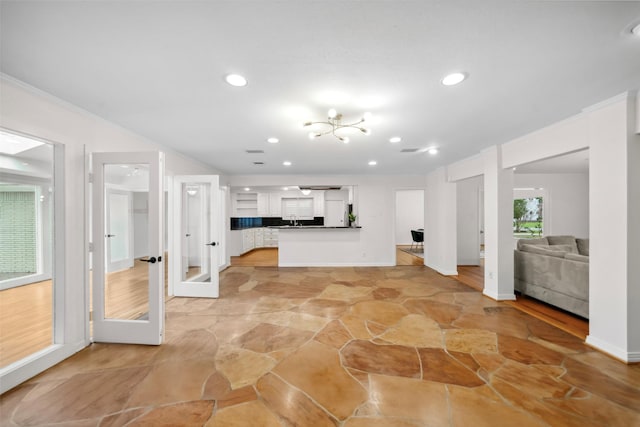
pixel 264 204
pixel 275 204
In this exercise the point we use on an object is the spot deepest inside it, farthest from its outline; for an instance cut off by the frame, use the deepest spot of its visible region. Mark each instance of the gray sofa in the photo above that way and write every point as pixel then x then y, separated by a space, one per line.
pixel 554 269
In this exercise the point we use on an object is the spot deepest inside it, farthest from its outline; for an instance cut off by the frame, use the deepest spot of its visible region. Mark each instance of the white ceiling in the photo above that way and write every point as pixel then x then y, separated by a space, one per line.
pixel 157 68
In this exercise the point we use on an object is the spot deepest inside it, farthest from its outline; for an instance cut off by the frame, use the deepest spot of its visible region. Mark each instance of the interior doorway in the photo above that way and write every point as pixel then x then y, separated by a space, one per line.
pixel 409 226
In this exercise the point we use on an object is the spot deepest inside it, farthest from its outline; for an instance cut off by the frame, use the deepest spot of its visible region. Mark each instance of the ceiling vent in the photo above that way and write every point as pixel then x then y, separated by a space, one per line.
pixel 255 151
pixel 258 163
pixel 409 150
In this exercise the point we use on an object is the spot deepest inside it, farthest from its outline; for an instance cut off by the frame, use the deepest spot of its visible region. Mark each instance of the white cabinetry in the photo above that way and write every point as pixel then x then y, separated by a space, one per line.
pixel 263 204
pixel 253 238
pixel 270 238
pixel 275 204
pixel 248 239
pixel 318 203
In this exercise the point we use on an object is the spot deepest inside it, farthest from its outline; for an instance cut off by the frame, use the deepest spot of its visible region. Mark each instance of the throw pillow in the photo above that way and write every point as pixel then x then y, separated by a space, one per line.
pixel 563 240
pixel 539 242
pixel 583 246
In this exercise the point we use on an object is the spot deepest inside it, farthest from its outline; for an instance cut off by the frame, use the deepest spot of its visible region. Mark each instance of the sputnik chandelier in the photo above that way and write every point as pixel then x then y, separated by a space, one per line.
pixel 335 121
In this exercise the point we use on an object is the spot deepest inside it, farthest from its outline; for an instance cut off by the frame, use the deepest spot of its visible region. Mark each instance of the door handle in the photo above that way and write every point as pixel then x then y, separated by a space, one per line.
pixel 211 244
pixel 152 260
pixel 187 235
pixel 109 235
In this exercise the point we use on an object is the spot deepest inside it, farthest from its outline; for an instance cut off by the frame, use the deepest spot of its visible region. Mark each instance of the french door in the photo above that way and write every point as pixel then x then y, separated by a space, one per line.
pixel 127 199
pixel 196 256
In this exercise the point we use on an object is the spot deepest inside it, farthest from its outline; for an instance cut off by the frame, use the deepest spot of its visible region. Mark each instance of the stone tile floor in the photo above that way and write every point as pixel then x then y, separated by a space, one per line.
pixel 349 347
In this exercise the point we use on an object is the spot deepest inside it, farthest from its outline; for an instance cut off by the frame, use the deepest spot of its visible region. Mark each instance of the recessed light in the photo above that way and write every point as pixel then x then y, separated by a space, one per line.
pixel 246 189
pixel 286 163
pixel 285 188
pixel 453 79
pixel 273 140
pixel 395 139
pixel 373 163
pixel 432 151
pixel 236 80
pixel 636 30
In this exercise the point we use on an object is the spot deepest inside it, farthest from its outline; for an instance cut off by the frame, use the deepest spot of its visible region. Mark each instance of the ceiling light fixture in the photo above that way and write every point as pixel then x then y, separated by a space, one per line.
pixel 432 151
pixel 453 79
pixel 236 80
pixel 273 140
pixel 306 191
pixel 246 189
pixel 286 163
pixel 335 121
pixel 395 139
pixel 373 163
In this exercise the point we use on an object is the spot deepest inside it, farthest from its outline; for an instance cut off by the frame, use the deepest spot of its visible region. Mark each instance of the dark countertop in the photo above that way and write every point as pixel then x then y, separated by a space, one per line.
pixel 308 227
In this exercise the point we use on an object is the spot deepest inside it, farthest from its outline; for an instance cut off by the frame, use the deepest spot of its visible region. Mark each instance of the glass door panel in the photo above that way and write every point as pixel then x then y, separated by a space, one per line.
pixel 26 247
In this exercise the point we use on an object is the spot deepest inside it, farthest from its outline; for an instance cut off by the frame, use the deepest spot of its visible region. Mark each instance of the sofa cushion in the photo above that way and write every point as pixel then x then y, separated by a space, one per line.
pixel 572 249
pixel 539 242
pixel 564 240
pixel 577 257
pixel 543 250
pixel 583 246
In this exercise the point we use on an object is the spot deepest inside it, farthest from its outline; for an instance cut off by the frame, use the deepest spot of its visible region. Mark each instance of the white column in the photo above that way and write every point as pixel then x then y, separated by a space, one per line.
pixel 614 223
pixel 498 214
pixel 440 225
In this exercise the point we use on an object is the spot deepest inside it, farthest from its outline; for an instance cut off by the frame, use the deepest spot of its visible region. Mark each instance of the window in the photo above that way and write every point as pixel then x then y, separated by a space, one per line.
pixel 528 217
pixel 297 208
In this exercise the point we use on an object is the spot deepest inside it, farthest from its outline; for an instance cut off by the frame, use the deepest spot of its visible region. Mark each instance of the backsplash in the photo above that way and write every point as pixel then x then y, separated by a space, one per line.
pixel 254 222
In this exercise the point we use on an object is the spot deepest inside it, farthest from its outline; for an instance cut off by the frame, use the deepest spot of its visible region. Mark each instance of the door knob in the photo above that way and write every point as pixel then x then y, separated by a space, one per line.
pixel 211 244
pixel 152 260
pixel 109 235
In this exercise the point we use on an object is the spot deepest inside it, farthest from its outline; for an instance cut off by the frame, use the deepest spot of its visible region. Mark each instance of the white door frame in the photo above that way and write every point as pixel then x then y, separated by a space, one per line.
pixel 147 331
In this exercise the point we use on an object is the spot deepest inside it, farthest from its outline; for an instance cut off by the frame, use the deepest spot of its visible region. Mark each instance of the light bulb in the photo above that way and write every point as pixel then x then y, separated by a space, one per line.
pixel 236 80
pixel 395 139
pixel 332 113
pixel 345 140
pixel 312 135
pixel 453 79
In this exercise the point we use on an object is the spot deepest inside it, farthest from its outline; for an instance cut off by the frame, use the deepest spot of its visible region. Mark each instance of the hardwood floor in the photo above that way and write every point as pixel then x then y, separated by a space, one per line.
pixel 473 276
pixel 263 257
pixel 26 312
pixel 405 258
pixel 25 321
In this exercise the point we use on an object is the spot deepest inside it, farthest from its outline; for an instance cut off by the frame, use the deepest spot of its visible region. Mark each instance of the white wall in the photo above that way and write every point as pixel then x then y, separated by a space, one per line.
pixel 33 112
pixel 374 204
pixel 409 214
pixel 567 202
pixel 440 252
pixel 468 220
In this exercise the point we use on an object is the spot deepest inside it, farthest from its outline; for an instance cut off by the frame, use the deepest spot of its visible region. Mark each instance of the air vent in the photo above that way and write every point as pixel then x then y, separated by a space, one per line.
pixel 255 151
pixel 258 163
pixel 409 150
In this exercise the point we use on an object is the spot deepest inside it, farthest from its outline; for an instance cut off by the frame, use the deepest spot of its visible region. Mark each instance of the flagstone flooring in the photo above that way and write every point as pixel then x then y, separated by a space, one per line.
pixel 348 347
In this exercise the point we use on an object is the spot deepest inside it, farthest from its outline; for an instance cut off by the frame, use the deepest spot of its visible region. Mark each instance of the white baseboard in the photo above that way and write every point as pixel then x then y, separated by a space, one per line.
pixel 499 297
pixel 442 271
pixel 336 264
pixel 612 350
pixel 24 369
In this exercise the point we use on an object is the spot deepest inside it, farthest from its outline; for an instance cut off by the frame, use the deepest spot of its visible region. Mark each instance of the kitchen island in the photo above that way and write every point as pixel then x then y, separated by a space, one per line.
pixel 319 246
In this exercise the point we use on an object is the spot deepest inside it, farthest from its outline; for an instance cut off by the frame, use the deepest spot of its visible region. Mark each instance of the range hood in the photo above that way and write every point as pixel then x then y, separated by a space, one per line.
pixel 319 187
